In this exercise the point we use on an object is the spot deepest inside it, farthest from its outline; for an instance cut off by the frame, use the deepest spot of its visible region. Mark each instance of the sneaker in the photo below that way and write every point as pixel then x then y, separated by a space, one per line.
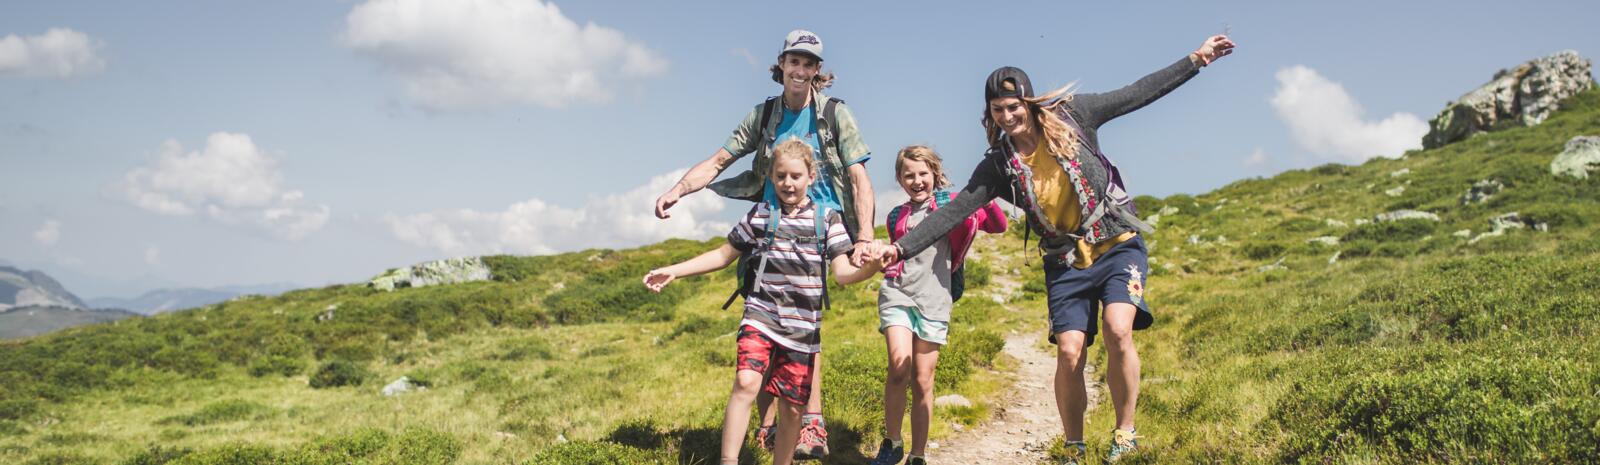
pixel 1072 453
pixel 888 454
pixel 813 444
pixel 1122 442
pixel 917 461
pixel 766 437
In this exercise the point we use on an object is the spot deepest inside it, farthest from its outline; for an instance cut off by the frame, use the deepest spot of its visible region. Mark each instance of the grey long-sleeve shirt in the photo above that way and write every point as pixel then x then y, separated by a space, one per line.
pixel 990 179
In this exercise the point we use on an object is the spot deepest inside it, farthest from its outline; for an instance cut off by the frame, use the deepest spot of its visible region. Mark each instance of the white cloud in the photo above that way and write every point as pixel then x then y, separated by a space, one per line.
pixel 481 53
pixel 152 255
pixel 1257 158
pixel 231 181
pixel 48 233
pixel 1325 120
pixel 58 53
pixel 536 227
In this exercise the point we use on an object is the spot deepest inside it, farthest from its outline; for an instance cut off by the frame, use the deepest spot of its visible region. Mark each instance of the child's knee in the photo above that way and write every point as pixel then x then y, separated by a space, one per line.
pixel 747 385
pixel 924 386
pixel 900 371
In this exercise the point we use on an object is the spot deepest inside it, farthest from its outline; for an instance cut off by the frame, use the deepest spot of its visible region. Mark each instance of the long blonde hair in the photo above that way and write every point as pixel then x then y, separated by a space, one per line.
pixel 924 154
pixel 1058 135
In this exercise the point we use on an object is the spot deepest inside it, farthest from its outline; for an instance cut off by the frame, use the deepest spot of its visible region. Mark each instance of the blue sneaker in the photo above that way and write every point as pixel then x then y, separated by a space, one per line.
pixel 888 454
pixel 1122 442
pixel 1072 453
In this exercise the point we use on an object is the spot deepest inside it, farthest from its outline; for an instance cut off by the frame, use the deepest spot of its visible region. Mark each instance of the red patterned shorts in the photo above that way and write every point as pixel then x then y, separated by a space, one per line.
pixel 787 372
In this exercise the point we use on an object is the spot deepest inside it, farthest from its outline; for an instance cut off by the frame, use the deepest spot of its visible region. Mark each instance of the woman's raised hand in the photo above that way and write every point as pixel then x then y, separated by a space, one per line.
pixel 657 279
pixel 1215 47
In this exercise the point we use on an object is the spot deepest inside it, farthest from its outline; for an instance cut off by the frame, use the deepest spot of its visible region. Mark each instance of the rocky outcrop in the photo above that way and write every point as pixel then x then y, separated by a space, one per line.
pixel 1481 191
pixel 1521 96
pixel 1581 157
pixel 448 271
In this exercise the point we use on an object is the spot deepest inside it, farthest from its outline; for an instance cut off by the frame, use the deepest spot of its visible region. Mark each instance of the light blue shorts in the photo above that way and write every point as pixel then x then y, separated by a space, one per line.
pixel 909 318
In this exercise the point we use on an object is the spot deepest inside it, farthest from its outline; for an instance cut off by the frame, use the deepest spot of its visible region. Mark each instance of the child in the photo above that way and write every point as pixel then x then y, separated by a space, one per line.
pixel 783 310
pixel 915 300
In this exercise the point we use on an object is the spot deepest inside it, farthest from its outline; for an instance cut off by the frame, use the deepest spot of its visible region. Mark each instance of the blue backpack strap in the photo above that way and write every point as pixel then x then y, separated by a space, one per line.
pixel 941 198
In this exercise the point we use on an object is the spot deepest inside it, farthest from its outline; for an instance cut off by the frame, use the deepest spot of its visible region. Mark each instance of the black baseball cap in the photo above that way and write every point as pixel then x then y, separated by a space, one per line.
pixel 996 87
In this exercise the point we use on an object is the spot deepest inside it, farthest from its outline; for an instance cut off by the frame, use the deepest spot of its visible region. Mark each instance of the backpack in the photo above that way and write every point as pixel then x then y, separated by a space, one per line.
pixel 958 280
pixel 753 263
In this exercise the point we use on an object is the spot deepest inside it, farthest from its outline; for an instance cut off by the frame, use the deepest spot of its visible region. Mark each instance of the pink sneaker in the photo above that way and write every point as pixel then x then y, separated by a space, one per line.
pixel 813 443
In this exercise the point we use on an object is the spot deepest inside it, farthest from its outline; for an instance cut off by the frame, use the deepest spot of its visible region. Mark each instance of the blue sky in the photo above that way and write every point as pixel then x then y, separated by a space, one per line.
pixel 149 144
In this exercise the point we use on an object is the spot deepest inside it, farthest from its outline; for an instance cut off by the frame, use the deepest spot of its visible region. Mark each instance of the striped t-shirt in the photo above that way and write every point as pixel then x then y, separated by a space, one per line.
pixel 786 303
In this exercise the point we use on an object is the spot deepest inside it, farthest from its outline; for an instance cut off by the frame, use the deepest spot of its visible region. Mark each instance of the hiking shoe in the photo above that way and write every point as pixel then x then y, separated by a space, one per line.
pixel 766 437
pixel 888 454
pixel 813 444
pixel 1072 453
pixel 917 461
pixel 1122 442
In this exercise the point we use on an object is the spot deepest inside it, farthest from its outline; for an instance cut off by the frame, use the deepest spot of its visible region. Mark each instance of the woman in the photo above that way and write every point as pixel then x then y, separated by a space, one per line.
pixel 1044 157
pixel 828 126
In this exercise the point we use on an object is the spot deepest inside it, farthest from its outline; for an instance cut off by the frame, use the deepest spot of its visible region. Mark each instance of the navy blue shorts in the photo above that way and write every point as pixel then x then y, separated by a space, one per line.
pixel 1076 296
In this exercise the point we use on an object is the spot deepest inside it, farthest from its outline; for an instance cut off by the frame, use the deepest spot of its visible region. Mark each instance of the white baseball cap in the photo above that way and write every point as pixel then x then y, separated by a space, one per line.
pixel 803 41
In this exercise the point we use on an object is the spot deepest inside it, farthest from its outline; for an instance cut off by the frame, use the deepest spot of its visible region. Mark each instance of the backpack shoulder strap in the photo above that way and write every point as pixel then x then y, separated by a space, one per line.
pixel 830 112
pixel 766 114
pixel 941 198
pixel 895 214
pixel 822 212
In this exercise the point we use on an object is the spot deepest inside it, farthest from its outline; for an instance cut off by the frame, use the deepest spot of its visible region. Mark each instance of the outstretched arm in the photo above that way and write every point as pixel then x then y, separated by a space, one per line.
pixel 713 260
pixel 697 178
pixel 1097 109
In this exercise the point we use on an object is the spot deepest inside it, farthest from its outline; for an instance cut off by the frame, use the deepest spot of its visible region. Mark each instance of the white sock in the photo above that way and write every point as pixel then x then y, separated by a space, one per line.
pixel 897 443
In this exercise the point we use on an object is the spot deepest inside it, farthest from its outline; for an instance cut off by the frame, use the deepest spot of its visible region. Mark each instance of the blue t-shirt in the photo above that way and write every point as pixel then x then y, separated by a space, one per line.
pixel 803 125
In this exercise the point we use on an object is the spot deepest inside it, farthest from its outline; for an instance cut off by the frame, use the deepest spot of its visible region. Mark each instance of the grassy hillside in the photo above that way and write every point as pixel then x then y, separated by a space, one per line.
pixel 1414 345
pixel 561 358
pixel 1290 330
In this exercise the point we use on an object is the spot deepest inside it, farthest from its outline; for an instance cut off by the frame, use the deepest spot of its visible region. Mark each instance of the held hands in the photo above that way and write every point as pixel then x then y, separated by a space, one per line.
pixel 884 253
pixel 657 279
pixel 1214 48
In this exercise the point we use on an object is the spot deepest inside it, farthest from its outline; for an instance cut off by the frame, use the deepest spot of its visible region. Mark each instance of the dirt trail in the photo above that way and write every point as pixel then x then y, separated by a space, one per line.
pixel 1024 418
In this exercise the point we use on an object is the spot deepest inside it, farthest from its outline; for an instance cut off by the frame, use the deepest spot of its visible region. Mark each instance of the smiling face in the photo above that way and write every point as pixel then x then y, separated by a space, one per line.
pixel 1011 115
pixel 917 179
pixel 798 70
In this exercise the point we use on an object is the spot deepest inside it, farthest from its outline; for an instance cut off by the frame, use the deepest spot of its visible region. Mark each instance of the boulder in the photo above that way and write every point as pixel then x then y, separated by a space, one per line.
pixel 1521 96
pixel 1481 191
pixel 1581 156
pixel 1398 215
pixel 1330 241
pixel 401 386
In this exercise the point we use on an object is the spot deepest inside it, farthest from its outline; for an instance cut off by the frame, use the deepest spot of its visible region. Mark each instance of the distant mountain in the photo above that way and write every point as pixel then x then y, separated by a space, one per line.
pixel 20 288
pixel 25 321
pixel 166 300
